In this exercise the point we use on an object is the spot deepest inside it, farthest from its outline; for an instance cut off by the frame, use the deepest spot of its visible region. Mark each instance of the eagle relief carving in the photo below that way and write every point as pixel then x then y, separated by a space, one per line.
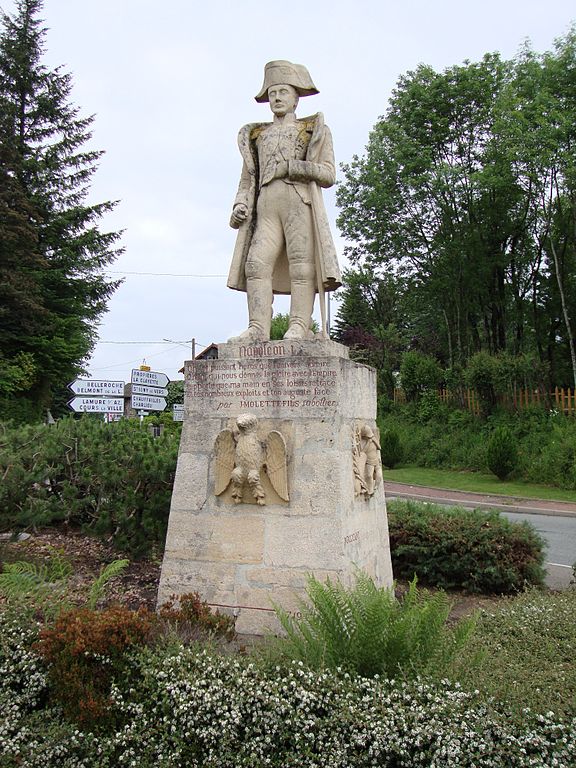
pixel 245 460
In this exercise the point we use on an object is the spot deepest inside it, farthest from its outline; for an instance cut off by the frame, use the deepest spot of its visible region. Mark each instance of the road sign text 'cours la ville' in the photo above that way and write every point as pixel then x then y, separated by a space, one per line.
pixel 97 396
pixel 97 404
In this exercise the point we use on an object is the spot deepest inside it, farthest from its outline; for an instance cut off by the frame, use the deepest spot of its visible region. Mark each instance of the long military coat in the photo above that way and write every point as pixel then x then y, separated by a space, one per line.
pixel 317 169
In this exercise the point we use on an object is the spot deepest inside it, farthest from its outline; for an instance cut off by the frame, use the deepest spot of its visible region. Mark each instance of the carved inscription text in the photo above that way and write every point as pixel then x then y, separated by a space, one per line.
pixel 291 384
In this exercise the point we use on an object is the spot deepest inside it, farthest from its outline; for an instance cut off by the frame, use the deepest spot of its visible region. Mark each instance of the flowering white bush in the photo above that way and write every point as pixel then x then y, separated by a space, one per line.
pixel 22 683
pixel 194 710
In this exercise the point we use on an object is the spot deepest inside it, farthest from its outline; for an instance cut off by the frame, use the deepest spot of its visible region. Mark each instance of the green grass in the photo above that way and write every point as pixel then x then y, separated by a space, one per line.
pixel 477 482
pixel 528 646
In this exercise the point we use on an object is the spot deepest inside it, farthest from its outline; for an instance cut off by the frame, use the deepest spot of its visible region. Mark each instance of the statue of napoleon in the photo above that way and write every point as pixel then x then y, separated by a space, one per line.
pixel 284 244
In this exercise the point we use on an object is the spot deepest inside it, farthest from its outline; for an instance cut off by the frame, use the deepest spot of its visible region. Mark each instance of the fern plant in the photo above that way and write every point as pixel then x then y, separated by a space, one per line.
pixel 41 584
pixel 366 630
pixel 45 585
pixel 108 572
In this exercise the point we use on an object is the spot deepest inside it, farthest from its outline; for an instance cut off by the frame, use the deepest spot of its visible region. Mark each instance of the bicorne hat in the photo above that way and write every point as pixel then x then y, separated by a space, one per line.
pixel 286 73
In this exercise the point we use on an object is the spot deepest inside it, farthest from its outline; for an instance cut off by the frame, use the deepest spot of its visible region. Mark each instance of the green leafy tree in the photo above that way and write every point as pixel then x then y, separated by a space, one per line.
pixel 175 393
pixel 52 254
pixel 419 373
pixel 467 197
pixel 538 126
pixel 429 201
pixel 482 374
pixel 280 323
pixel 369 321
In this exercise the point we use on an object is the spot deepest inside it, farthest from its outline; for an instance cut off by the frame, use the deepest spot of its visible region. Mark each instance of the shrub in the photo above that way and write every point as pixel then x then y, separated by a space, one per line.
pixel 455 548
pixel 419 373
pixel 481 374
pixel 391 448
pixel 385 404
pixel 366 630
pixel 431 407
pixel 192 618
pixel 191 708
pixel 23 679
pixel 552 458
pixel 85 650
pixel 115 479
pixel 458 444
pixel 501 452
pixel 546 442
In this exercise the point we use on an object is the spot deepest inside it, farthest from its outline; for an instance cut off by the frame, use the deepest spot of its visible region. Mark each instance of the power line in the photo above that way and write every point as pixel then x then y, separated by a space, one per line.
pixel 136 360
pixel 157 274
pixel 133 342
pixel 164 341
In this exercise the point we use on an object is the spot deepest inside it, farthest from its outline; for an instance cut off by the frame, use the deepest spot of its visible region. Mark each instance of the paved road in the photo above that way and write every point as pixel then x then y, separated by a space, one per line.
pixel 560 533
pixel 554 520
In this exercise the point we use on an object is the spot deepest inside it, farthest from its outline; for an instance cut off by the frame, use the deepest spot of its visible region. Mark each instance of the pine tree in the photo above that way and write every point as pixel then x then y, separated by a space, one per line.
pixel 52 253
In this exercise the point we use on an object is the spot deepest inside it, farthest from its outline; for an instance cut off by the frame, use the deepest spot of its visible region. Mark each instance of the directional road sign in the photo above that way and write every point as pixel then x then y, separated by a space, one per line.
pixel 97 387
pixel 148 403
pixel 97 404
pixel 142 389
pixel 149 378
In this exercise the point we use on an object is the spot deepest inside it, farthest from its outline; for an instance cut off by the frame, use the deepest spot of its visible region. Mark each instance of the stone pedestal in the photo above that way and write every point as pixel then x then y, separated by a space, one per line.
pixel 241 557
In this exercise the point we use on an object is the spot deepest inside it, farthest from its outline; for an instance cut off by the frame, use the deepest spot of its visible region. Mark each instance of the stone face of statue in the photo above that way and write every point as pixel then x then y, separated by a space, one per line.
pixel 283 99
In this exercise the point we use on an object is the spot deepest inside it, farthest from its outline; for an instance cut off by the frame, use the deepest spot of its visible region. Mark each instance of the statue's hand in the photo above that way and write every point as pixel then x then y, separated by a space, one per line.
pixel 239 215
pixel 281 171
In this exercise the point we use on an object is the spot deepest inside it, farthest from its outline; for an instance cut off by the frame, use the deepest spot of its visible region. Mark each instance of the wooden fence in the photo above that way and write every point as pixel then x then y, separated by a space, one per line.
pixel 560 399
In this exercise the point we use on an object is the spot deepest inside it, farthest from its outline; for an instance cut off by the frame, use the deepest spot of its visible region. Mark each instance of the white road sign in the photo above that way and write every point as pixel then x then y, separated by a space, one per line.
pixel 97 404
pixel 97 387
pixel 141 389
pixel 149 378
pixel 148 403
pixel 178 412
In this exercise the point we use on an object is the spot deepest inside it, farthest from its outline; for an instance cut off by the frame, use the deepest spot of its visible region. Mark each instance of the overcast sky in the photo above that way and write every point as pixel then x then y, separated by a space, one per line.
pixel 171 83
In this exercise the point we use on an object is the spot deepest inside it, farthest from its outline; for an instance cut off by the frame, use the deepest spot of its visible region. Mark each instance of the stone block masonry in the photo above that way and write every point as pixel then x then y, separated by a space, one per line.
pixel 241 557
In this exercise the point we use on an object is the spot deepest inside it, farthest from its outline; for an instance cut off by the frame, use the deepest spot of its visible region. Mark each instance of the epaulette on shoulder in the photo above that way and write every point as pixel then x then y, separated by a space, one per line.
pixel 309 122
pixel 256 129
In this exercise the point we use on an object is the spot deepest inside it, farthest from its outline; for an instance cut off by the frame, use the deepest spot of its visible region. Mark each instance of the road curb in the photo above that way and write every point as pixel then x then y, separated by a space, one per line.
pixel 479 503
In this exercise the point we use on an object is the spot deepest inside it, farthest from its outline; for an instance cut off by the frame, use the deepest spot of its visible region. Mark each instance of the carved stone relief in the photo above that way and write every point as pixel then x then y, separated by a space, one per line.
pixel 245 461
pixel 366 461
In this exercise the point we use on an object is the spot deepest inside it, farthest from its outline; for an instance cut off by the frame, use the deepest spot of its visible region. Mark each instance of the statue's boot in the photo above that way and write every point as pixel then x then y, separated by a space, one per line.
pixel 259 292
pixel 301 306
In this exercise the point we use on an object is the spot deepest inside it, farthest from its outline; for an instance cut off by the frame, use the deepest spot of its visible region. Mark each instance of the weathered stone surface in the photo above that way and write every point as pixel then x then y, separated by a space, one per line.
pixel 293 578
pixel 222 539
pixel 191 481
pixel 307 543
pixel 243 556
pixel 287 247
pixel 256 615
pixel 320 347
pixel 216 582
